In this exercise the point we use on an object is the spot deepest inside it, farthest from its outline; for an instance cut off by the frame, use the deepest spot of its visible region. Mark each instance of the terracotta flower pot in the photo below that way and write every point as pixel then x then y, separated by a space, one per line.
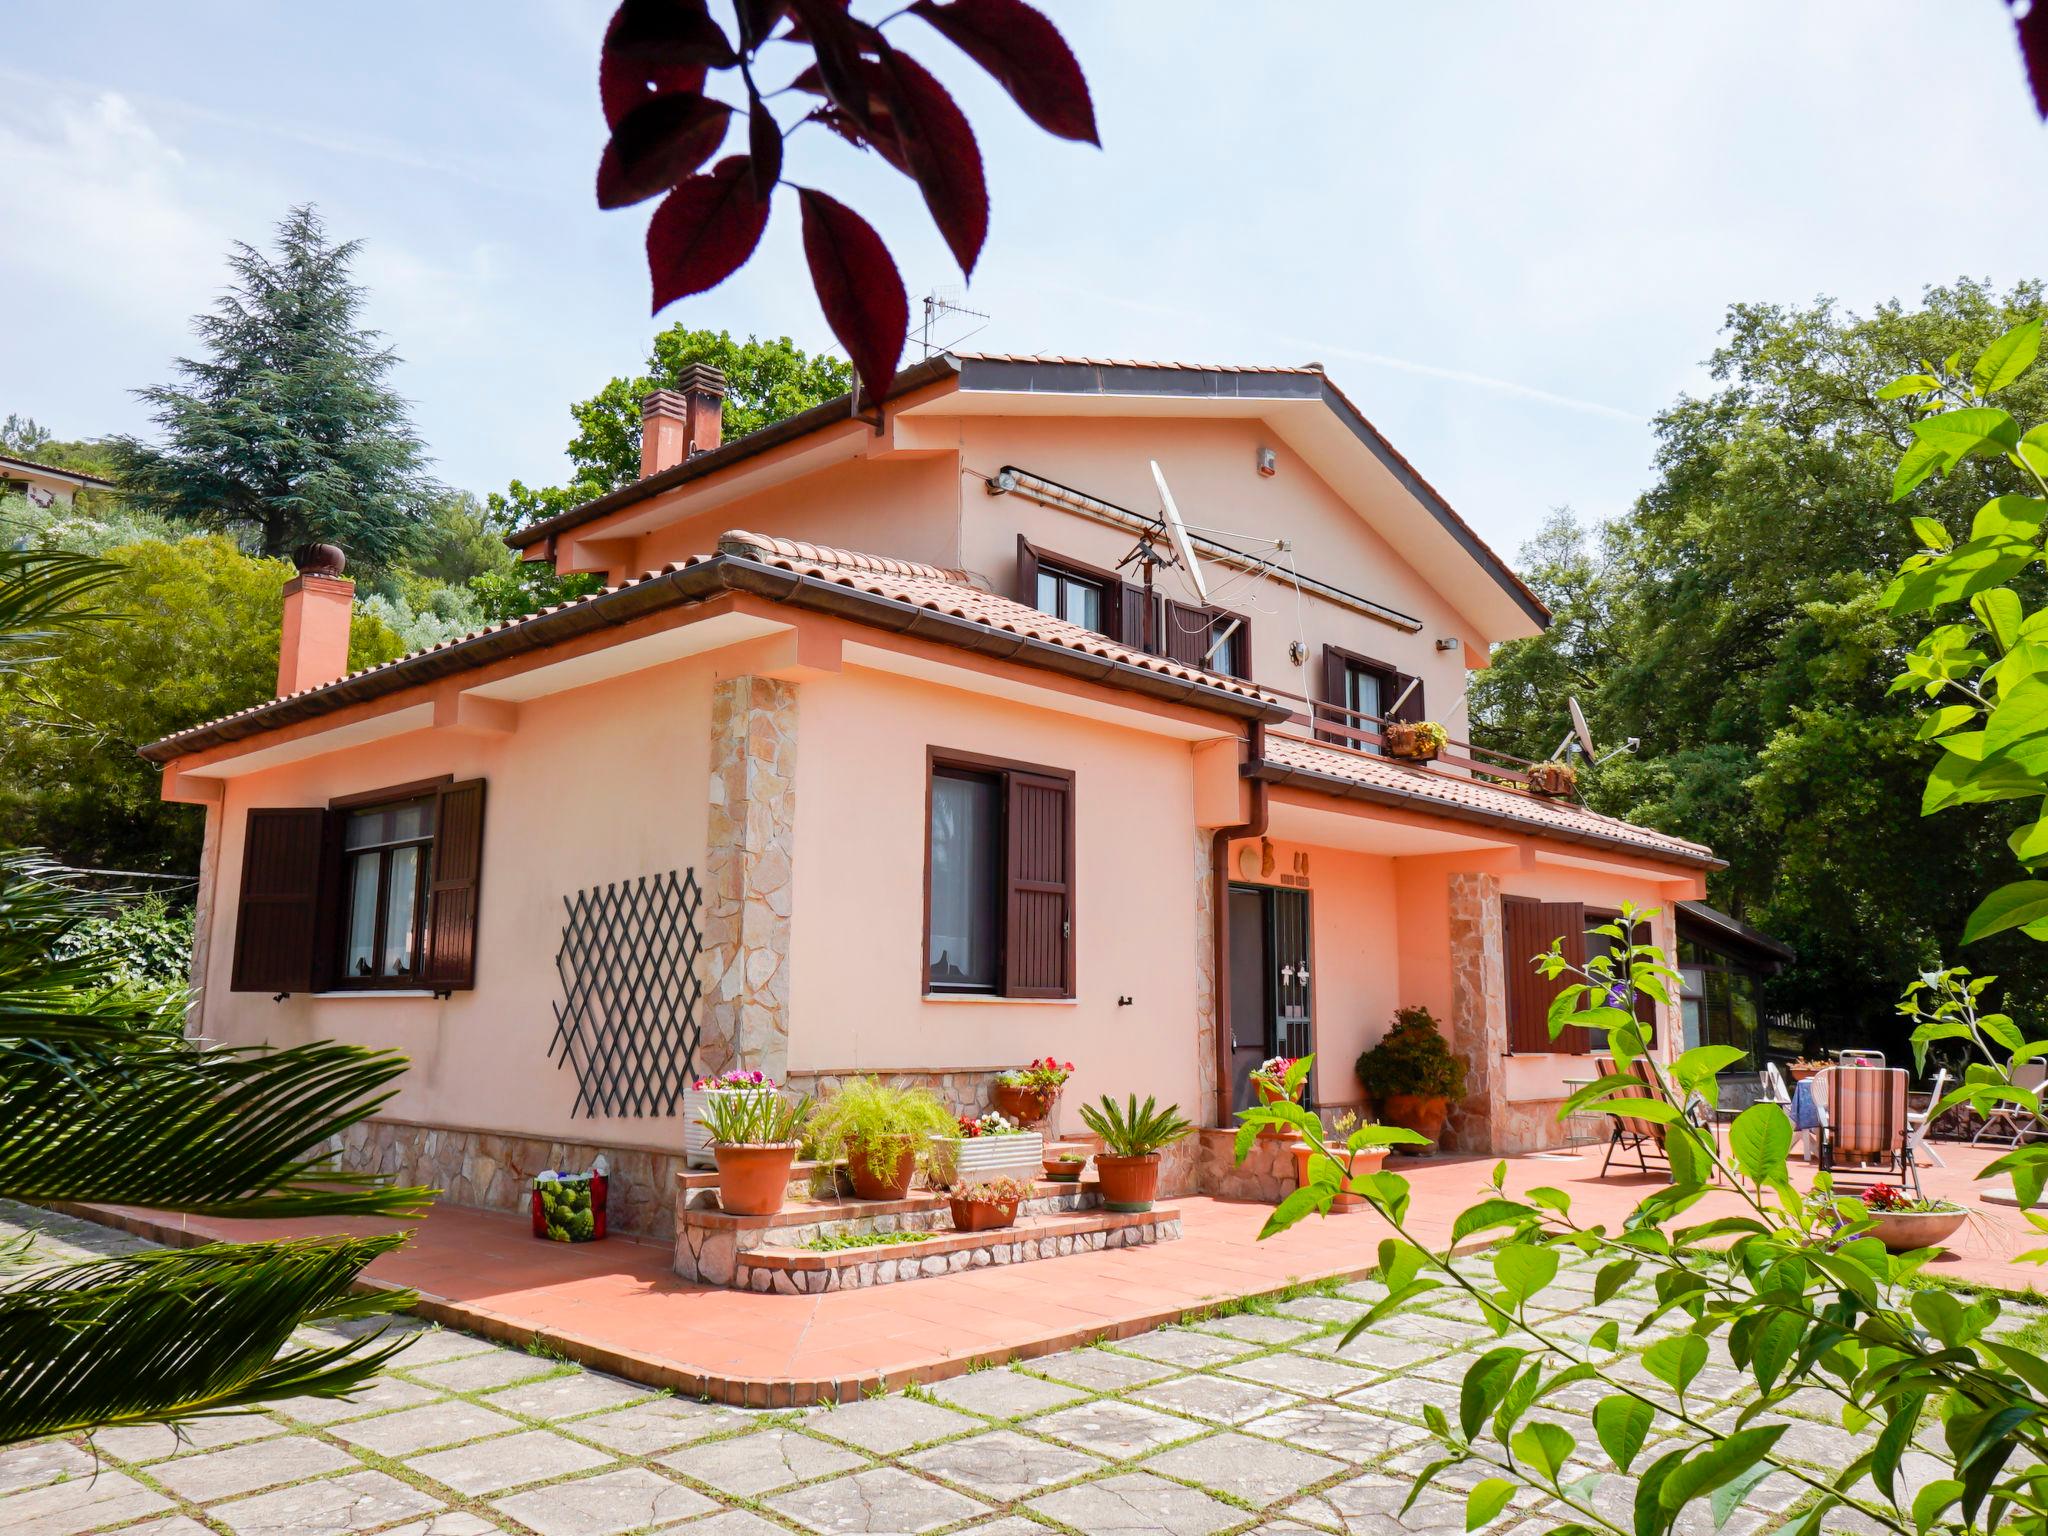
pixel 752 1179
pixel 1271 1095
pixel 1906 1231
pixel 874 1176
pixel 1063 1172
pixel 1026 1106
pixel 982 1215
pixel 1365 1162
pixel 1128 1183
pixel 1800 1074
pixel 1422 1113
pixel 1404 741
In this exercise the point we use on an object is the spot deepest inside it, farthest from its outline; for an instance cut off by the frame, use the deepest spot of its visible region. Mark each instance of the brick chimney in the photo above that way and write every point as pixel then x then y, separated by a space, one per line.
pixel 313 647
pixel 680 423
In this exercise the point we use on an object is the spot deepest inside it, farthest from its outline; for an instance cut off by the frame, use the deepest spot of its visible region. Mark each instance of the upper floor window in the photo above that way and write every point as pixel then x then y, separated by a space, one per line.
pixel 999 860
pixel 1075 598
pixel 1371 689
pixel 1210 638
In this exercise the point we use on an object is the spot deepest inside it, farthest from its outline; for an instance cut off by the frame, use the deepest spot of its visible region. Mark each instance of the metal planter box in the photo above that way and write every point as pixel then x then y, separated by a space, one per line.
pixel 971 1159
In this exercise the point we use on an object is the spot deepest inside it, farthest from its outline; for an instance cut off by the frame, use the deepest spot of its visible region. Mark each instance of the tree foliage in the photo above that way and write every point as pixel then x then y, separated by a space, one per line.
pixel 287 428
pixel 1734 621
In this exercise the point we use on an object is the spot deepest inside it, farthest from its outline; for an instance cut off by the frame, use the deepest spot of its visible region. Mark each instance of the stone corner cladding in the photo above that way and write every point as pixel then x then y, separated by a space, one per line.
pixel 488 1171
pixel 1266 1174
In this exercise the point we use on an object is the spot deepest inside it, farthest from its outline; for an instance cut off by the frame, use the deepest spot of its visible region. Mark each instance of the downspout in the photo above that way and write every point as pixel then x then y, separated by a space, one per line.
pixel 1219 911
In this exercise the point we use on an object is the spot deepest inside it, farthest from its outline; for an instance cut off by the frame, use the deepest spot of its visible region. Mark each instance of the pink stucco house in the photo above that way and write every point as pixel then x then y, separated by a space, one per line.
pixel 873 756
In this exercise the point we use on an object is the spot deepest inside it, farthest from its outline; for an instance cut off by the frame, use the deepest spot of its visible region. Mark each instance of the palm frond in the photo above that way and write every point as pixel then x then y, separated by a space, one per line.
pixel 176 1333
pixel 43 592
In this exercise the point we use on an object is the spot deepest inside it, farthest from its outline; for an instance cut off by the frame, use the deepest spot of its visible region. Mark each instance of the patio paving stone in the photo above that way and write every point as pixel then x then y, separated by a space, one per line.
pixel 174 1525
pixel 1114 1429
pixel 1324 1309
pixel 1373 1351
pixel 386 1392
pixel 1177 1346
pixel 490 1466
pixel 1351 1434
pixel 1257 1471
pixel 1139 1504
pixel 1257 1328
pixel 435 1344
pixel 1372 1504
pixel 886 1425
pixel 1004 1465
pixel 882 1499
pixel 1404 1395
pixel 1309 1375
pixel 480 1373
pixel 1004 1393
pixel 750 1465
pixel 1214 1397
pixel 736 1522
pixel 422 1429
pixel 659 1425
pixel 605 1505
pixel 561 1397
pixel 83 1504
pixel 361 1501
pixel 155 1442
pixel 1098 1370
pixel 43 1461
pixel 245 1468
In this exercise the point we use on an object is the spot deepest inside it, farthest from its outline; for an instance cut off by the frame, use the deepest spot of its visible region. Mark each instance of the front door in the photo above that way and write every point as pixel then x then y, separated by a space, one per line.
pixel 1270 1002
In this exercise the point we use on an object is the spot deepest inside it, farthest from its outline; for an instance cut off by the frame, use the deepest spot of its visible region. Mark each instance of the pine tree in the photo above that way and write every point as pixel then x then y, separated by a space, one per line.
pixel 287 430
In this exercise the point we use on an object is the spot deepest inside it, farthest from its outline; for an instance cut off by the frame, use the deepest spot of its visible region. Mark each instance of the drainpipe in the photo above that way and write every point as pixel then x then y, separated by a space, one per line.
pixel 1219 908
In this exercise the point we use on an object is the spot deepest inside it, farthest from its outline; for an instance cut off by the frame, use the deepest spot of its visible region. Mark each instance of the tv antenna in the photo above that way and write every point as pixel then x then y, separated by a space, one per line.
pixel 1149 557
pixel 939 306
pixel 1582 733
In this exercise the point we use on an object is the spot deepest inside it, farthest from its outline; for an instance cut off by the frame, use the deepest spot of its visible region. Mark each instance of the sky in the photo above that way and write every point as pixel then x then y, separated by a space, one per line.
pixel 1510 232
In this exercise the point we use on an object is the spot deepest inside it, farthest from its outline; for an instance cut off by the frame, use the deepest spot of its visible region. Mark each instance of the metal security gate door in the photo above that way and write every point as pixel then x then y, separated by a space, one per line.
pixel 1271 1004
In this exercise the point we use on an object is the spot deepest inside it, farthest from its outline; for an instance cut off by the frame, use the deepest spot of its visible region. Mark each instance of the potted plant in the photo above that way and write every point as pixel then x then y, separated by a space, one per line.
pixel 1553 778
pixel 1802 1068
pixel 570 1207
pixel 1065 1167
pixel 987 1204
pixel 1269 1082
pixel 1414 741
pixel 988 1146
pixel 1906 1224
pixel 1132 1139
pixel 697 1100
pixel 1412 1075
pixel 882 1133
pixel 1027 1094
pixel 1363 1160
pixel 754 1138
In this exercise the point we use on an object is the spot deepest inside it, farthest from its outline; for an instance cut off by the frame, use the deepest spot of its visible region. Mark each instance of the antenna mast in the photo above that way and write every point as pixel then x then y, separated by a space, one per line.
pixel 939 304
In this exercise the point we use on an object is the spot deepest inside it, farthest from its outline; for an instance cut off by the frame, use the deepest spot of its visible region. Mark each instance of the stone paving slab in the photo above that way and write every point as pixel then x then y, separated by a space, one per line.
pixel 658 1425
pixel 245 1468
pixel 1256 1471
pixel 1220 1399
pixel 507 1462
pixel 1003 1465
pixel 411 1430
pixel 884 1500
pixel 1113 1429
pixel 361 1501
pixel 751 1465
pixel 1137 1504
pixel 79 1504
pixel 479 1373
pixel 571 1396
pixel 1100 1371
pixel 605 1505
pixel 886 1425
pixel 155 1442
pixel 1005 1393
pixel 384 1393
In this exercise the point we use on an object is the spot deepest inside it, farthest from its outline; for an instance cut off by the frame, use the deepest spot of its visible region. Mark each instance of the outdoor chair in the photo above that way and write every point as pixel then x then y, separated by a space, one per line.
pixel 1775 1089
pixel 2013 1122
pixel 1632 1133
pixel 1859 1058
pixel 1863 1126
pixel 1919 1120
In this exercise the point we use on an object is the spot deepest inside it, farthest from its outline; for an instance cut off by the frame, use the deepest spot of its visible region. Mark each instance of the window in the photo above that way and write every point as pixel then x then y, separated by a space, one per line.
pixel 1213 639
pixel 1366 691
pixel 999 863
pixel 1076 599
pixel 370 892
pixel 1717 1001
pixel 1072 590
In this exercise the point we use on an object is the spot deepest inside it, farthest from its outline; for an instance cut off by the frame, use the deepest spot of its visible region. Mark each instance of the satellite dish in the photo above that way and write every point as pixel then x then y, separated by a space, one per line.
pixel 1583 731
pixel 1178 532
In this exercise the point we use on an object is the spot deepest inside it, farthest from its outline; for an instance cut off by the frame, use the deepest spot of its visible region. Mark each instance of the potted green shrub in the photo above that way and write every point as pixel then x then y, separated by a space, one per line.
pixel 754 1138
pixel 1132 1139
pixel 884 1135
pixel 1412 1075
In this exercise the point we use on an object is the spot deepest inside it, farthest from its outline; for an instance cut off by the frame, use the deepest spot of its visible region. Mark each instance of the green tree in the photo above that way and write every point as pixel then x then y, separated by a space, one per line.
pixel 288 428
pixel 197 638
pixel 766 381
pixel 1734 621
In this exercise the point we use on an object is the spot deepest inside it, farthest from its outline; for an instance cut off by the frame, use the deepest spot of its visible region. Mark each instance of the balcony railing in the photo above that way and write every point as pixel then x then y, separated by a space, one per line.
pixel 1335 725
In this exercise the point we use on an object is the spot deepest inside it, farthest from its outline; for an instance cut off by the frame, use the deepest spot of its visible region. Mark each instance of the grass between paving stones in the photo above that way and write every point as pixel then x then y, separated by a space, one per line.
pixel 836 1242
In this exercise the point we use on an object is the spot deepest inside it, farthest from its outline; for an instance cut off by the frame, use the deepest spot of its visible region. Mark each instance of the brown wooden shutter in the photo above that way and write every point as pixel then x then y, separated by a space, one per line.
pixel 1027 573
pixel 1333 693
pixel 1413 709
pixel 1038 948
pixel 1527 928
pixel 450 960
pixel 1240 644
pixel 1131 616
pixel 277 926
pixel 1186 634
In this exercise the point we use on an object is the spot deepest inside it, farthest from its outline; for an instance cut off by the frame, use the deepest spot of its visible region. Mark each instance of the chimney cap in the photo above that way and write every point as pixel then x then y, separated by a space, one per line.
pixel 702 376
pixel 319 559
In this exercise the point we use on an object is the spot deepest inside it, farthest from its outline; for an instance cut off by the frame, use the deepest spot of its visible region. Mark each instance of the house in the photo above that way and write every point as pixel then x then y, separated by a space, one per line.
pixel 876 755
pixel 45 485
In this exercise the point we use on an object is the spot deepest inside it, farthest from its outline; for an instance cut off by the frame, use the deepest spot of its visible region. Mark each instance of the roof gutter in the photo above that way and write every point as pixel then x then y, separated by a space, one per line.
pixel 690 585
pixel 1350 789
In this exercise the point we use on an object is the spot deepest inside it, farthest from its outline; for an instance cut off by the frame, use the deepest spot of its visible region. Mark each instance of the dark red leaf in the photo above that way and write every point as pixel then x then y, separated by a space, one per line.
pixel 880 134
pixel 657 48
pixel 938 145
pixel 704 231
pixel 2033 29
pixel 840 43
pixel 757 19
pixel 657 144
pixel 1027 55
pixel 858 288
pixel 764 144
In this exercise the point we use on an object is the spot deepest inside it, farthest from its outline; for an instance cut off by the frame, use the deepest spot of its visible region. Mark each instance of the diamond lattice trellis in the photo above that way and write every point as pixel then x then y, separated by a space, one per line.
pixel 628 1023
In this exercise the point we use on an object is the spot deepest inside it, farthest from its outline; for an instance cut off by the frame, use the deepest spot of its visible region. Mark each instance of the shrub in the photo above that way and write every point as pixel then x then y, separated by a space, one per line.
pixel 143 939
pixel 866 1115
pixel 1412 1058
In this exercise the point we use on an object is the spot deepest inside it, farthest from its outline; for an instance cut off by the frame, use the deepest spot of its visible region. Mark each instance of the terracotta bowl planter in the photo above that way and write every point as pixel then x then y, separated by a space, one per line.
pixel 1062 1172
pixel 1906 1231
pixel 982 1215
pixel 1128 1183
pixel 1365 1162
pixel 1026 1106
pixel 875 1177
pixel 752 1179
pixel 1801 1074
pixel 1422 1113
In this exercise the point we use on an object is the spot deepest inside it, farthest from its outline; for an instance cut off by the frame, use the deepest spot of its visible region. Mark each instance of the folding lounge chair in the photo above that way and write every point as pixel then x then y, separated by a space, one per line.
pixel 1863 1127
pixel 1632 1133
pixel 2011 1121
pixel 1918 1120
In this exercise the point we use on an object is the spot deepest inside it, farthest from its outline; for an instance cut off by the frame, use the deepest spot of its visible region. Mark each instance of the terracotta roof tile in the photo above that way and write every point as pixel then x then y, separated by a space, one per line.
pixel 1460 791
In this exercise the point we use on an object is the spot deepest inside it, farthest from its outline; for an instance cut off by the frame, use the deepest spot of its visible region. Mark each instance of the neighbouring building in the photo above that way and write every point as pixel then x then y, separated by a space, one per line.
pixel 45 485
pixel 878 755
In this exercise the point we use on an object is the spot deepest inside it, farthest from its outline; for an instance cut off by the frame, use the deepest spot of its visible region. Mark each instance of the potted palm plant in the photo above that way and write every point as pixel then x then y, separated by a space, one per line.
pixel 1412 1075
pixel 987 1204
pixel 754 1138
pixel 884 1134
pixel 1132 1139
